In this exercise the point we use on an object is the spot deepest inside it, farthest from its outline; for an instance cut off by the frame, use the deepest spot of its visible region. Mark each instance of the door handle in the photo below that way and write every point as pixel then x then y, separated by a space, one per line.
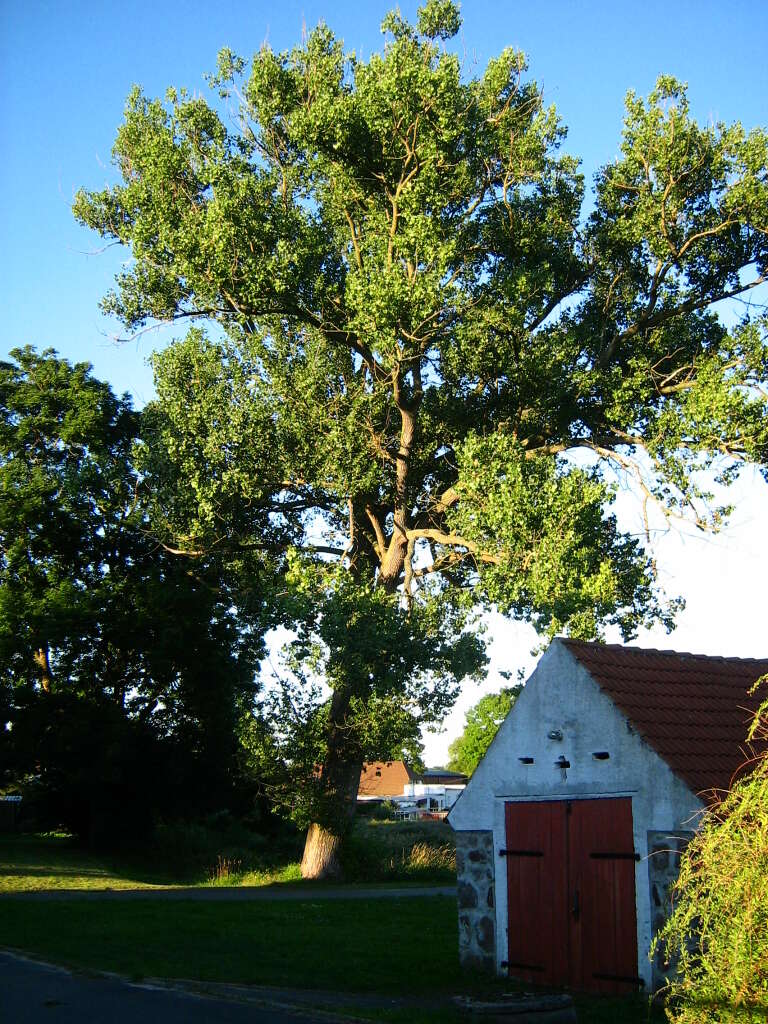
pixel 575 905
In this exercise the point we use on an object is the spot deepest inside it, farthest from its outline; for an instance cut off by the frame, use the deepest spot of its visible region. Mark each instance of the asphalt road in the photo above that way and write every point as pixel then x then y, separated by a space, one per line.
pixel 33 993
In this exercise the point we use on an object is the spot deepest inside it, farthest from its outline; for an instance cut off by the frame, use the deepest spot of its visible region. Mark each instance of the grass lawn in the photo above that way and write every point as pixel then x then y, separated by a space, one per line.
pixel 379 851
pixel 398 947
pixel 52 861
pixel 331 944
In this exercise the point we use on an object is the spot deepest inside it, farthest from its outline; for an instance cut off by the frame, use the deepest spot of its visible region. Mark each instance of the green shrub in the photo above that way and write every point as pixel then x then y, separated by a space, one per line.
pixel 717 936
pixel 387 810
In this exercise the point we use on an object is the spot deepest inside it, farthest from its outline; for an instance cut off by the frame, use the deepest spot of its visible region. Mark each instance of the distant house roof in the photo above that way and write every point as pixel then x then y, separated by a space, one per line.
pixel 694 710
pixel 441 776
pixel 384 778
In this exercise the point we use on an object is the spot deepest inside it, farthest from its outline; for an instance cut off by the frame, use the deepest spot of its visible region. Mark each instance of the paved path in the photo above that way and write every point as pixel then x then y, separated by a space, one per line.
pixel 223 894
pixel 36 993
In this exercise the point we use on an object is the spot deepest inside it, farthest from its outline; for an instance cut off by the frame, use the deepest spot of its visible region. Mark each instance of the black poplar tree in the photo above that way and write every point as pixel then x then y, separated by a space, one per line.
pixel 414 330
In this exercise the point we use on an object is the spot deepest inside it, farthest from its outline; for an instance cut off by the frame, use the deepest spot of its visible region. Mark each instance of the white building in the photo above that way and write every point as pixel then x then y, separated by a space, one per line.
pixel 569 831
pixel 433 791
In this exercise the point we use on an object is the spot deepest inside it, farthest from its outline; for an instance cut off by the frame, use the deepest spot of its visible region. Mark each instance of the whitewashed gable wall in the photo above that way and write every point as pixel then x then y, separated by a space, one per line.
pixel 562 696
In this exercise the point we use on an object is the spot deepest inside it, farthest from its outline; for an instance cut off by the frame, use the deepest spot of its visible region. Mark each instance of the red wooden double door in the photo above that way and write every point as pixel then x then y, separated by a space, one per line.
pixel 571 893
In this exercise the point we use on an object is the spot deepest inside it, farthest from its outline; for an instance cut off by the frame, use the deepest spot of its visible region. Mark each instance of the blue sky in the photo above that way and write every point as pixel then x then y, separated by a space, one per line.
pixel 65 70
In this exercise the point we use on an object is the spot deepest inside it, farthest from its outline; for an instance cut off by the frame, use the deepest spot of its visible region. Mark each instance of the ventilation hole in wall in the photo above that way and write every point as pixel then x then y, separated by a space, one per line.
pixel 525 760
pixel 600 755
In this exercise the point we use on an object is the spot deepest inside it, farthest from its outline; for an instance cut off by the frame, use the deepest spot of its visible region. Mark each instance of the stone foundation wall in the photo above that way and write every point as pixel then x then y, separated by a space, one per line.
pixel 664 849
pixel 477 916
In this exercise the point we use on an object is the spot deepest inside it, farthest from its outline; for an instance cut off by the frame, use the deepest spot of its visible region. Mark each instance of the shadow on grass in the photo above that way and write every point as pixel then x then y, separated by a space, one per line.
pixel 352 946
pixel 28 861
pixel 49 870
pixel 190 854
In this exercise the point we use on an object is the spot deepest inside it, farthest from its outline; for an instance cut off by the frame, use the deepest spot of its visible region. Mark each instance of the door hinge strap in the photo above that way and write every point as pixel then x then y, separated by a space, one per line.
pixel 511 965
pixel 521 853
pixel 615 856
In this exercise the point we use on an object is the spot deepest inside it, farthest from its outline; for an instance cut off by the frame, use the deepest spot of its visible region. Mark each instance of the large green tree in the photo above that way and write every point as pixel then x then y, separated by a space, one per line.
pixel 108 644
pixel 67 490
pixel 424 363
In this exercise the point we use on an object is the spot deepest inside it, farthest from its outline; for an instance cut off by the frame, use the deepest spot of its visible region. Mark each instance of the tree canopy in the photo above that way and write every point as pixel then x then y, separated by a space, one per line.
pixel 481 723
pixel 423 364
pixel 122 674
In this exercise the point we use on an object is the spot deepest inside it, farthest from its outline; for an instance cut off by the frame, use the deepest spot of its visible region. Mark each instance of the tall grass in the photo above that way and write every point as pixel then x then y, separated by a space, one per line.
pixel 423 851
pixel 180 853
pixel 225 853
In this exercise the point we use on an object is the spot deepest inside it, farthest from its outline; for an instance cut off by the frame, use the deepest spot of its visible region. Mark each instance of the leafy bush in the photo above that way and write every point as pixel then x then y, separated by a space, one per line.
pixel 717 935
pixel 387 810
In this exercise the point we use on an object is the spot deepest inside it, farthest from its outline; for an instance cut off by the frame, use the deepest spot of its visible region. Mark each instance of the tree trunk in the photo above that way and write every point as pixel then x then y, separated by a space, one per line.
pixel 321 854
pixel 335 806
pixel 325 837
pixel 44 667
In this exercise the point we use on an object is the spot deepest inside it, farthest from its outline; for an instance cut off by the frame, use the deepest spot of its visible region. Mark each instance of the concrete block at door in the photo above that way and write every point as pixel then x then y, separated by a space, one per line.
pixel 520 1008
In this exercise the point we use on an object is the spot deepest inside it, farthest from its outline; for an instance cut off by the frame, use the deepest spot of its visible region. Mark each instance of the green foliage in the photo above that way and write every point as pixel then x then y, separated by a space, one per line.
pixel 89 767
pixel 481 723
pixel 717 935
pixel 122 674
pixel 551 553
pixel 398 669
pixel 439 19
pixel 425 365
pixel 67 488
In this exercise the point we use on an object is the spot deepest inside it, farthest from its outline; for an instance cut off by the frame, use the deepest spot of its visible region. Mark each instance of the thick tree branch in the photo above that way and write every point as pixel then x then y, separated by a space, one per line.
pixel 381 543
pixel 692 305
pixel 457 541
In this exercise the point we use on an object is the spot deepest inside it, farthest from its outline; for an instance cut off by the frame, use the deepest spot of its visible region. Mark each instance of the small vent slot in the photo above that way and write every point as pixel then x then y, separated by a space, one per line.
pixel 525 760
pixel 601 755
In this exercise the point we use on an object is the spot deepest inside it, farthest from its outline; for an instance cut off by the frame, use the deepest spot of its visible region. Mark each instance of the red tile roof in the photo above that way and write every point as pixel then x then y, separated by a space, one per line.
pixel 384 778
pixel 694 710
